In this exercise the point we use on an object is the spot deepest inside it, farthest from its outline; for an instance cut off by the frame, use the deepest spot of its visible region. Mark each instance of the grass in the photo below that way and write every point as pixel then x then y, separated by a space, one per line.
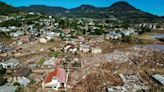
pixel 55 53
pixel 41 61
pixel 142 37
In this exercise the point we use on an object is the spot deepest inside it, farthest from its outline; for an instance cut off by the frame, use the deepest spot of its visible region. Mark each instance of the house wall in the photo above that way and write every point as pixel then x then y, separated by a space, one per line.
pixel 51 84
pixel 96 50
pixel 10 65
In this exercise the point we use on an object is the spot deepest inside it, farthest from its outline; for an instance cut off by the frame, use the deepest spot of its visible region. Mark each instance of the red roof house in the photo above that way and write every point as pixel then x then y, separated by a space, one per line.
pixel 55 79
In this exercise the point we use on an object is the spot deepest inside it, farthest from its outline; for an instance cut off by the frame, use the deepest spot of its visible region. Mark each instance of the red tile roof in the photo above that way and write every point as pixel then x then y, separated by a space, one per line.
pixel 60 73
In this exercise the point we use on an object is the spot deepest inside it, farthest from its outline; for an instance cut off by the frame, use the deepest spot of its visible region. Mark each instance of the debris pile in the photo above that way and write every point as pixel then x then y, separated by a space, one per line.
pixel 121 56
pixel 96 81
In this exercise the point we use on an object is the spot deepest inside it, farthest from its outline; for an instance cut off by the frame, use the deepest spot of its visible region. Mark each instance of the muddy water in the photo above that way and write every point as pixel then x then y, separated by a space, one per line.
pixel 152 46
pixel 158 35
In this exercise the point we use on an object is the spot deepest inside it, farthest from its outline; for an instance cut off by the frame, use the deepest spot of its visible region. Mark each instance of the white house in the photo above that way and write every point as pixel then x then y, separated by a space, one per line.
pixel 96 50
pixel 11 63
pixel 31 13
pixel 113 35
pixel 84 48
pixel 43 40
pixel 70 48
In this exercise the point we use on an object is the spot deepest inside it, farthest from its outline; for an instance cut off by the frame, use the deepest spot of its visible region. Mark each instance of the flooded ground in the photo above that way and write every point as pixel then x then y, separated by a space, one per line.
pixel 158 35
pixel 152 46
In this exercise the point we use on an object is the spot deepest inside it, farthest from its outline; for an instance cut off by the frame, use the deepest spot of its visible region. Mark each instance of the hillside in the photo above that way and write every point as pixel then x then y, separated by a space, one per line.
pixel 7 9
pixel 44 9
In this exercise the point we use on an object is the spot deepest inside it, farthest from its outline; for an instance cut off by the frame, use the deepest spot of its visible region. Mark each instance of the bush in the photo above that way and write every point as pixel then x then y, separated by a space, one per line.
pixel 16 84
pixel 20 89
pixel 5 35
pixel 2 80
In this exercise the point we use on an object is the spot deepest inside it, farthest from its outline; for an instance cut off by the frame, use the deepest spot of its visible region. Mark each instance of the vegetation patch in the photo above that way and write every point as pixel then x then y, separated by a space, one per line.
pixel 41 61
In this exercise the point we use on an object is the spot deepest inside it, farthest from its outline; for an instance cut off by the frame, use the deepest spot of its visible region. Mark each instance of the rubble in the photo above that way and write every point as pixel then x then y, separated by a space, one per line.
pixel 121 56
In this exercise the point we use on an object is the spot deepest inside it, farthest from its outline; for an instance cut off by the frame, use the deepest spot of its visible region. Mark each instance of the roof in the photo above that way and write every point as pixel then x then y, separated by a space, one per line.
pixel 49 62
pixel 8 88
pixel 159 78
pixel 60 73
pixel 11 60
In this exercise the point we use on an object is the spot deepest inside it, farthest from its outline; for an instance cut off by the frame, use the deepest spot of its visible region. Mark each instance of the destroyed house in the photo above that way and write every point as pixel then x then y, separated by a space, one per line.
pixel 20 76
pixel 23 72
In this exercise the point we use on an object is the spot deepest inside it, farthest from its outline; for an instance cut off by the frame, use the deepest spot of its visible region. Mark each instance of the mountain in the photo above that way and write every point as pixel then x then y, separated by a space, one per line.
pixel 125 11
pixel 119 10
pixel 7 9
pixel 122 6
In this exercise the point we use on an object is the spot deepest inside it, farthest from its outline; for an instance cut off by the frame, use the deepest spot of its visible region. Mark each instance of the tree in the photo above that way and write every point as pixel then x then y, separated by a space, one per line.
pixel 144 29
pixel 2 71
pixel 7 23
pixel 2 79
pixel 126 39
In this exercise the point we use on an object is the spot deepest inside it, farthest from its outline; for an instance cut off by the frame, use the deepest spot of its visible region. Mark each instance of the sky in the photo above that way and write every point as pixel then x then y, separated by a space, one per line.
pixel 152 6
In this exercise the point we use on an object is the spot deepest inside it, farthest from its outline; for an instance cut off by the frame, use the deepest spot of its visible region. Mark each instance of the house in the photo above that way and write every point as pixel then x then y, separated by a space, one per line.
pixel 67 31
pixel 116 89
pixel 17 33
pixel 84 48
pixel 128 31
pixel 31 13
pixel 113 35
pixel 24 39
pixel 76 62
pixel 11 63
pixel 4 29
pixel 91 23
pixel 55 79
pixel 43 40
pixel 159 78
pixel 132 82
pixel 8 88
pixel 50 62
pixel 57 34
pixel 81 38
pixel 50 34
pixel 70 48
pixel 96 50
pixel 49 38
pixel 20 76
pixel 12 27
pixel 4 48
pixel 100 38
